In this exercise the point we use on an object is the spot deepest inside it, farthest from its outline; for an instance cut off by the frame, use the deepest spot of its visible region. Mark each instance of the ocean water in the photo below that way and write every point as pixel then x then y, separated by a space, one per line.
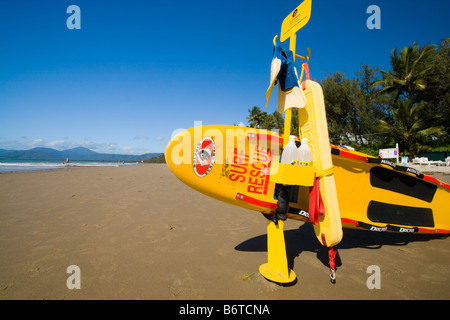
pixel 27 165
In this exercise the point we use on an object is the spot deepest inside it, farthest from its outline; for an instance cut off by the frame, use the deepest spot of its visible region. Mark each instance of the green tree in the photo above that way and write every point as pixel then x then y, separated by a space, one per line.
pixel 409 70
pixel 275 121
pixel 278 120
pixel 353 107
pixel 256 117
pixel 339 104
pixel 268 122
pixel 437 95
pixel 410 125
pixel 372 107
pixel 419 78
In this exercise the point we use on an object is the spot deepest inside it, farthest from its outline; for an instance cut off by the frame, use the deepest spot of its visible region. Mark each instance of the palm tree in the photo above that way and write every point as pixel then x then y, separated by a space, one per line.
pixel 256 117
pixel 409 69
pixel 410 124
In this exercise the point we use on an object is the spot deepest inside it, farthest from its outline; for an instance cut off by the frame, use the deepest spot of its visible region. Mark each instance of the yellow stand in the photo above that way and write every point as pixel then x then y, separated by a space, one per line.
pixel 276 269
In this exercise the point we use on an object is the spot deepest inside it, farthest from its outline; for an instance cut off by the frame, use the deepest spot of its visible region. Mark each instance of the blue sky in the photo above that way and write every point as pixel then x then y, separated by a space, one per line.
pixel 138 70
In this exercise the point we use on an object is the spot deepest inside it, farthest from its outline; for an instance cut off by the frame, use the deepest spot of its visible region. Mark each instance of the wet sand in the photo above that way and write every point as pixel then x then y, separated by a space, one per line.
pixel 139 233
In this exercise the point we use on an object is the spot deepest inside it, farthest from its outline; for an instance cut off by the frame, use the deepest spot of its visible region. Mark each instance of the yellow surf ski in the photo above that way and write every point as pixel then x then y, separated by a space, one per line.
pixel 373 194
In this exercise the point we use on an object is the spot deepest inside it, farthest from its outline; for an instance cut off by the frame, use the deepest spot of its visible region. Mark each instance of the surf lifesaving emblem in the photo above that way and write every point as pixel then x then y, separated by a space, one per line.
pixel 204 156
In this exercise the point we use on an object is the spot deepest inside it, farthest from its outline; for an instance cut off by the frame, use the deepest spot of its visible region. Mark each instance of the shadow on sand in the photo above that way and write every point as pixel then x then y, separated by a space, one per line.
pixel 304 239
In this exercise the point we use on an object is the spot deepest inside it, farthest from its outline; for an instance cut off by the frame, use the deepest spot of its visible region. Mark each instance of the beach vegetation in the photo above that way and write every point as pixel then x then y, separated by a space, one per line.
pixel 158 159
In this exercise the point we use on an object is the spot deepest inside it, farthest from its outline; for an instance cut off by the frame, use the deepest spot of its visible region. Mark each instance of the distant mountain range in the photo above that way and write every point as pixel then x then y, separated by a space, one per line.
pixel 80 153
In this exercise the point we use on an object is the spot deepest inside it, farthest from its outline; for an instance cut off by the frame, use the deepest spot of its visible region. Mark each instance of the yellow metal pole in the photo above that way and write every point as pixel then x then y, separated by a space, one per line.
pixel 293 43
pixel 288 113
pixel 287 126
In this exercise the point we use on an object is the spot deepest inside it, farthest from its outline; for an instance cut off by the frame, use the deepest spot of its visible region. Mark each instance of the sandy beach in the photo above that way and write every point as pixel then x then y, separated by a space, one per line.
pixel 137 232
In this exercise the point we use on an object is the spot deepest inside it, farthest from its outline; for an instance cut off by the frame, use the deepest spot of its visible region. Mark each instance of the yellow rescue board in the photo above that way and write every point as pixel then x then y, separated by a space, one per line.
pixel 235 164
pixel 313 124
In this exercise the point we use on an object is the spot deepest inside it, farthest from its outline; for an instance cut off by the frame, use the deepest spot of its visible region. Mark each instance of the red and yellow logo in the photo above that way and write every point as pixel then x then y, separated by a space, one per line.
pixel 204 156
